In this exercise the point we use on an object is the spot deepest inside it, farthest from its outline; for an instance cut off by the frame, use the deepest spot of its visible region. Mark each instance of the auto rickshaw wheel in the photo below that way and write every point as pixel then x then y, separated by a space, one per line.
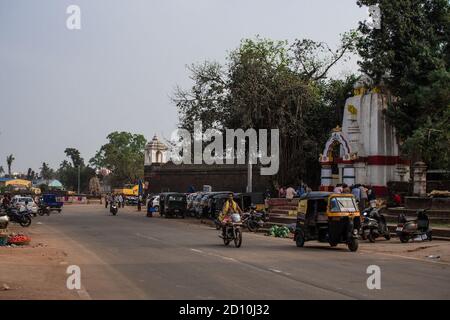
pixel 333 244
pixel 299 240
pixel 353 245
pixel 404 239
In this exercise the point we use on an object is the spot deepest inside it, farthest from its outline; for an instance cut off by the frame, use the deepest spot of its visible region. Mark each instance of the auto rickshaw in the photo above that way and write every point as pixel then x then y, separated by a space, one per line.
pixel 328 217
pixel 172 204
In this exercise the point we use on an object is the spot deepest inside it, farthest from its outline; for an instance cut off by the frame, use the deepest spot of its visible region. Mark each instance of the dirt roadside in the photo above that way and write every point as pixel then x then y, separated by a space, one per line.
pixel 36 271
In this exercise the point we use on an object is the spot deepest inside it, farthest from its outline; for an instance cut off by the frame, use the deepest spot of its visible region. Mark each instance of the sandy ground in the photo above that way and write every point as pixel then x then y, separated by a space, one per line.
pixel 35 271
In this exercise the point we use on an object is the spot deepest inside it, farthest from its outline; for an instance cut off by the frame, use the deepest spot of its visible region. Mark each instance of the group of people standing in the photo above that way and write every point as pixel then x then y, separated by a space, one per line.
pixel 364 195
pixel 291 193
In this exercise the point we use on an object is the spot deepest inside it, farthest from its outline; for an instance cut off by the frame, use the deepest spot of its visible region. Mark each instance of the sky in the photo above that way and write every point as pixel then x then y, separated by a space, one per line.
pixel 64 88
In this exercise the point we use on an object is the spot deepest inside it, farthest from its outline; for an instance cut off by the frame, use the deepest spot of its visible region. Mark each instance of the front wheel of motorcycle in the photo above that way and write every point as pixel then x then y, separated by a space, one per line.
pixel 252 226
pixel 238 238
pixel 371 237
pixel 26 221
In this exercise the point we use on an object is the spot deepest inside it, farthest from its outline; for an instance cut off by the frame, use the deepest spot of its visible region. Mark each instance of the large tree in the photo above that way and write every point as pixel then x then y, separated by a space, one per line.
pixel 74 172
pixel 46 173
pixel 410 55
pixel 273 85
pixel 123 155
pixel 9 161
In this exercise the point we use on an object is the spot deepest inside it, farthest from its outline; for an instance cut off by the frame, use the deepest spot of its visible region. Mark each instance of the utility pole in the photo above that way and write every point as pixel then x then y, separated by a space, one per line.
pixel 78 180
pixel 249 177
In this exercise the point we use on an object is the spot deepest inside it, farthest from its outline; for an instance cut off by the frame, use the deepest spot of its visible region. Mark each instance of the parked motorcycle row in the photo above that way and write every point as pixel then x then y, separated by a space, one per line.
pixel 21 209
pixel 374 226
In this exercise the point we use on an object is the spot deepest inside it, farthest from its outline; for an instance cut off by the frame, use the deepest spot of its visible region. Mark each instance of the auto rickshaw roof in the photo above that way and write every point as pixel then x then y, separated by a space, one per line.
pixel 323 195
pixel 316 195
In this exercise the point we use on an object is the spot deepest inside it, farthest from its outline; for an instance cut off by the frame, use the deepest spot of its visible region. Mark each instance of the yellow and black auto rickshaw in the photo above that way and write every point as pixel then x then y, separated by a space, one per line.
pixel 328 217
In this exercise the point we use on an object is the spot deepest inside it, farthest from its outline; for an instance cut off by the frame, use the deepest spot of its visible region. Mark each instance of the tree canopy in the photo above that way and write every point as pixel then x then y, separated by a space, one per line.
pixel 273 85
pixel 409 55
pixel 123 154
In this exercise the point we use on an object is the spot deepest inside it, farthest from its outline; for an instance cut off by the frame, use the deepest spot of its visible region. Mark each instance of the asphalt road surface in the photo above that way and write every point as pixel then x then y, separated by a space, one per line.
pixel 130 256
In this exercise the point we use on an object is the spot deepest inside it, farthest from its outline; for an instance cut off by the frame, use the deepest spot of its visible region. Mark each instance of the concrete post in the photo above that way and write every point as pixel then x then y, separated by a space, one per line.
pixel 420 179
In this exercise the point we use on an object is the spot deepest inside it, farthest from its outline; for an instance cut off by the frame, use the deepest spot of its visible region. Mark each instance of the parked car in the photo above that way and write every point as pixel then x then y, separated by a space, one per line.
pixel 153 201
pixel 27 202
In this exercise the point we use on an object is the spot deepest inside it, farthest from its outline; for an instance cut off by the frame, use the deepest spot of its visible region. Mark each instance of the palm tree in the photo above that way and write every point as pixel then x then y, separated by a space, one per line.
pixel 2 171
pixel 9 160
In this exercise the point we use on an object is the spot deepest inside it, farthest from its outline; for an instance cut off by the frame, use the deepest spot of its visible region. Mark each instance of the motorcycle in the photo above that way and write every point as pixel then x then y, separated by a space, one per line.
pixel 43 209
pixel 374 225
pixel 231 230
pixel 113 208
pixel 253 220
pixel 414 228
pixel 21 216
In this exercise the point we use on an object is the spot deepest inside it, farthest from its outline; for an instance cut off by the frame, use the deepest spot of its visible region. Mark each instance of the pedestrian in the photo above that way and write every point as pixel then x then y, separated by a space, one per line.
pixel 290 193
pixel 139 203
pixel 364 197
pixel 338 188
pixel 120 198
pixel 281 192
pixel 301 190
pixel 346 189
pixel 371 197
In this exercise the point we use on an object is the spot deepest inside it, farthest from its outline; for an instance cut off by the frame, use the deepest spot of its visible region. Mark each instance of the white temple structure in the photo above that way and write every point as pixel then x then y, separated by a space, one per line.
pixel 365 149
pixel 155 152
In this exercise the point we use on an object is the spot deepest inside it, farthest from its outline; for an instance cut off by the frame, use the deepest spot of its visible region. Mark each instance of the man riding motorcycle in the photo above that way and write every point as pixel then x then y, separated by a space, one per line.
pixel 229 207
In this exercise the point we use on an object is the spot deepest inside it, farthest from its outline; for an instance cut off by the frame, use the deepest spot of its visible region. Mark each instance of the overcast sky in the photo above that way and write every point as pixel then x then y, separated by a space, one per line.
pixel 69 88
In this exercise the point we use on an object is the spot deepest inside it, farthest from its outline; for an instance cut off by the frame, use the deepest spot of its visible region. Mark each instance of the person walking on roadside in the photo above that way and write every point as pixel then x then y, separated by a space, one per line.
pixel 120 201
pixel 106 200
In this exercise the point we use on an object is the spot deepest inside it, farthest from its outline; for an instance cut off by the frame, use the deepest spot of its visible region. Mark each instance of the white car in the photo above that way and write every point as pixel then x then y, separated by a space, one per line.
pixel 21 201
pixel 154 201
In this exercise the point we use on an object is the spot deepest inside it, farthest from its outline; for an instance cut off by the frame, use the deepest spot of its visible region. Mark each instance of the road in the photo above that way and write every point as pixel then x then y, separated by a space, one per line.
pixel 130 256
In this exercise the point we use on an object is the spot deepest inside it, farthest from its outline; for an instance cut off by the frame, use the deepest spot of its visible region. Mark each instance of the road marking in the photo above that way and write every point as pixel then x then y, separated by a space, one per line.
pixel 148 237
pixel 275 270
pixel 198 251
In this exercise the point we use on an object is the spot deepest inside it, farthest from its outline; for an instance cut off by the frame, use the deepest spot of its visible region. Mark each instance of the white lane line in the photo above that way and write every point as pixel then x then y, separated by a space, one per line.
pixel 275 270
pixel 148 237
pixel 213 255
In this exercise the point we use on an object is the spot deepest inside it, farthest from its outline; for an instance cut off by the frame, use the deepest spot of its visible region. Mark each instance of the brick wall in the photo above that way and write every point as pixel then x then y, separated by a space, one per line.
pixel 178 178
